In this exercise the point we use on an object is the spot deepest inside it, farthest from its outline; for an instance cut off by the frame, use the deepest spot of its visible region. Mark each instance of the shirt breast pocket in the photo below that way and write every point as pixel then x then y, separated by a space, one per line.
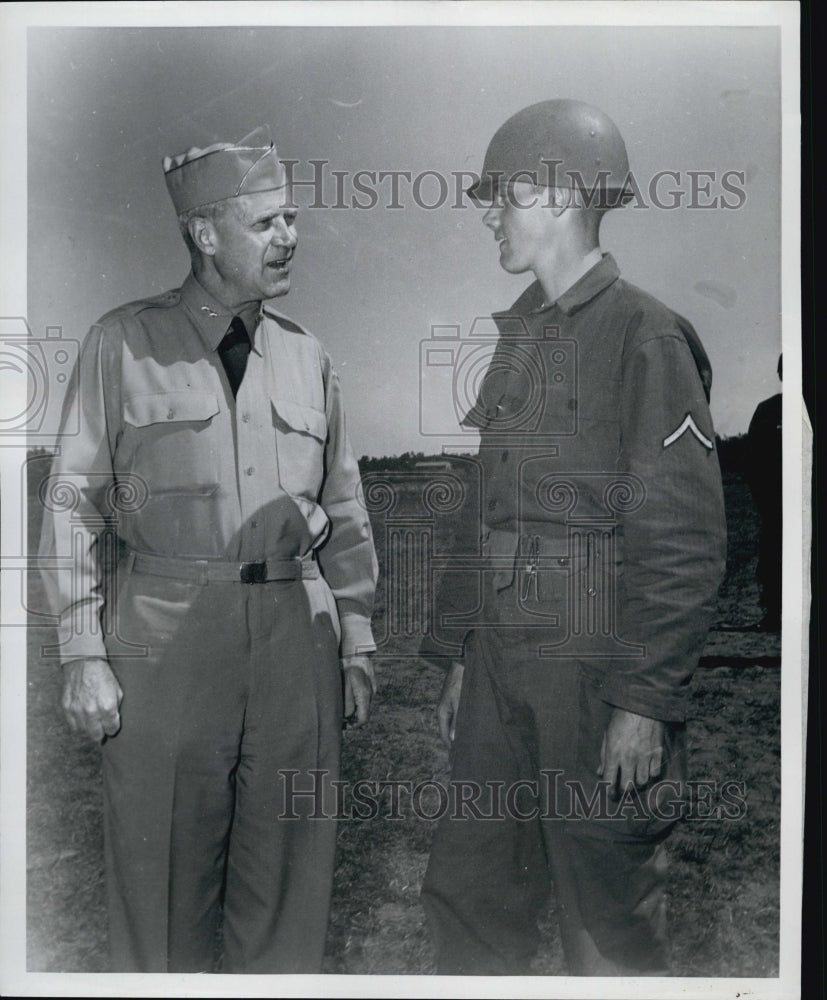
pixel 170 441
pixel 301 435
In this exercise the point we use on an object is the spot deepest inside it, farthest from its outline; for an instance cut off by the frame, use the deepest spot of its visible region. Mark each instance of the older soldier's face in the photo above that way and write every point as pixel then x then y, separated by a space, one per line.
pixel 254 244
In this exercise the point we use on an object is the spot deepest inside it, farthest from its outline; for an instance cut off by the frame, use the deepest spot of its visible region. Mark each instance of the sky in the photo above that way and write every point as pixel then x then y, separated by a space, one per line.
pixel 106 104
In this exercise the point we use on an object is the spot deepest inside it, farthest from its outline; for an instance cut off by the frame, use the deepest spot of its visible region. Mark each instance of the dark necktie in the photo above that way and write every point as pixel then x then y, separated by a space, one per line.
pixel 233 351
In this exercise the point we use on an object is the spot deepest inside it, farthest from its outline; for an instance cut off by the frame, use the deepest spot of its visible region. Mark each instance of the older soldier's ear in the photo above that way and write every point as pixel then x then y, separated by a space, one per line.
pixel 203 234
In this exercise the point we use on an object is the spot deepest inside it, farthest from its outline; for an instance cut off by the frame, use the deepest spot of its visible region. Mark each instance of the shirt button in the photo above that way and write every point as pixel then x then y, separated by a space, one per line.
pixel 563 562
pixel 253 524
pixel 170 414
pixel 250 470
pixel 504 455
pixel 246 418
pixel 591 592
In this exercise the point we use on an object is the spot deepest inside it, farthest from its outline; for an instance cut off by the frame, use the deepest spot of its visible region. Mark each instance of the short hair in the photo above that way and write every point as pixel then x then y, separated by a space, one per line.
pixel 591 209
pixel 214 211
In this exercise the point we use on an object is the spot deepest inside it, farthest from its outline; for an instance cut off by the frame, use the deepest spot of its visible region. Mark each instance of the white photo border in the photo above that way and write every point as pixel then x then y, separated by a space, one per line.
pixel 15 19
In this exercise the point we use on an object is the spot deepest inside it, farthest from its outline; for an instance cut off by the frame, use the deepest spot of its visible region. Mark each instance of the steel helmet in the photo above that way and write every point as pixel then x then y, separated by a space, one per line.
pixel 558 143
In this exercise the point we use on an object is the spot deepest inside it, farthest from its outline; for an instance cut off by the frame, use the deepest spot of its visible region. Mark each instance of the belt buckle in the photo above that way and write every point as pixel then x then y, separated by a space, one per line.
pixel 253 572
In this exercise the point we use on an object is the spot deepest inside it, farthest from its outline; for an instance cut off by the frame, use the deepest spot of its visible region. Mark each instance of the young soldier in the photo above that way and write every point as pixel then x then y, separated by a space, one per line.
pixel 604 541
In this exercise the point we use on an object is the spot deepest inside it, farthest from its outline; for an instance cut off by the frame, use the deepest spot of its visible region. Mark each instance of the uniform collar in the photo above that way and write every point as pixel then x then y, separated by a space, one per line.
pixel 211 318
pixel 604 273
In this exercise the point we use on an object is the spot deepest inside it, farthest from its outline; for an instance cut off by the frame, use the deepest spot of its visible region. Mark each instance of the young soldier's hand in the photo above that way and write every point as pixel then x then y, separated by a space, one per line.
pixel 91 698
pixel 446 711
pixel 632 750
pixel 359 689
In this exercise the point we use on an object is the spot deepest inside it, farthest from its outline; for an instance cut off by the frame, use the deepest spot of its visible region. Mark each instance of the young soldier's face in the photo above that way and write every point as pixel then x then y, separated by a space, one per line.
pixel 521 220
pixel 254 243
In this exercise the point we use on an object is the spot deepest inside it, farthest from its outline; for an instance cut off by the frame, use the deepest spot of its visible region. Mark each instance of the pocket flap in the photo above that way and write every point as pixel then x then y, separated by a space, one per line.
pixel 168 407
pixel 290 416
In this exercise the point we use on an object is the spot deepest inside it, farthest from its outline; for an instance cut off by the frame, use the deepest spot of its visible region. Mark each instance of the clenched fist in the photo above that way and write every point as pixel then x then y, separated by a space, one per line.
pixel 91 698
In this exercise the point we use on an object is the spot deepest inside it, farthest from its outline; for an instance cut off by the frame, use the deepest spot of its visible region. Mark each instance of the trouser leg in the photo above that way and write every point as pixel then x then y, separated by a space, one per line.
pixel 282 845
pixel 611 904
pixel 487 877
pixel 609 868
pixel 168 774
pixel 239 685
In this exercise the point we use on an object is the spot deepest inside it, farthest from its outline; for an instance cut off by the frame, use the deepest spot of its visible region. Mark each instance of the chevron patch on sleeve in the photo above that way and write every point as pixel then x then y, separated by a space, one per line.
pixel 688 424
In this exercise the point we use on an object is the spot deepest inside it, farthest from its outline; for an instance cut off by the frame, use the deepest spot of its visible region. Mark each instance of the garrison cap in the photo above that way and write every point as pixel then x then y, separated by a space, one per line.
pixel 224 170
pixel 559 143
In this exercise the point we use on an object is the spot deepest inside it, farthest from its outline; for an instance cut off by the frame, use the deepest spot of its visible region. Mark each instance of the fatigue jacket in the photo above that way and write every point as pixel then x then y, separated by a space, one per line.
pixel 187 471
pixel 602 504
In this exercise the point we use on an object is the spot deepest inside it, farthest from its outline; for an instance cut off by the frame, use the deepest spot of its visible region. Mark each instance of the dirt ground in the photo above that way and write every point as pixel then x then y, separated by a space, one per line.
pixel 724 886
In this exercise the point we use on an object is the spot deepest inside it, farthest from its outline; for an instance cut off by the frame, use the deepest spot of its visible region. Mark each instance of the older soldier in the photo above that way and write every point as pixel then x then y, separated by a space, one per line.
pixel 247 573
pixel 603 546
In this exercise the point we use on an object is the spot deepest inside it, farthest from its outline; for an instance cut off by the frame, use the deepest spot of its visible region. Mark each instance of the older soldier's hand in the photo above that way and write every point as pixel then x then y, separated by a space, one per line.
pixel 632 750
pixel 359 689
pixel 91 698
pixel 446 711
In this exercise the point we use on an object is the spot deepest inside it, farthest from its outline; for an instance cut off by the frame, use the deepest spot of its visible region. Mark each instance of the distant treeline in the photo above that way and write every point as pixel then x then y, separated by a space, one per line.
pixel 731 454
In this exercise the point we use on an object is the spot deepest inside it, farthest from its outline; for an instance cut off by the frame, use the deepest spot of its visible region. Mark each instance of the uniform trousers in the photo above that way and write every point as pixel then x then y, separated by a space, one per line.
pixel 529 731
pixel 239 689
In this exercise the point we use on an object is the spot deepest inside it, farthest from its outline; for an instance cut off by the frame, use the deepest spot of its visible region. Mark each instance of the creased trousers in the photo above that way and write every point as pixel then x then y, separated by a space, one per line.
pixel 238 686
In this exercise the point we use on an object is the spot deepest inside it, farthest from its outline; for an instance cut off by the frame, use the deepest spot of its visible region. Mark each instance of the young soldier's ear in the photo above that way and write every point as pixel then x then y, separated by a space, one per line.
pixel 558 199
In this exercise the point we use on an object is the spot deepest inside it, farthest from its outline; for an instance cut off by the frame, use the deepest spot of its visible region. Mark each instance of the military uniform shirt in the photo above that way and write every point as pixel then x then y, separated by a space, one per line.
pixel 604 386
pixel 189 472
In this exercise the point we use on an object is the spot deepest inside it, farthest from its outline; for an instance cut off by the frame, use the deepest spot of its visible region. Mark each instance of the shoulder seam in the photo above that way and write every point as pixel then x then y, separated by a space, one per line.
pixel 667 335
pixel 166 300
pixel 285 322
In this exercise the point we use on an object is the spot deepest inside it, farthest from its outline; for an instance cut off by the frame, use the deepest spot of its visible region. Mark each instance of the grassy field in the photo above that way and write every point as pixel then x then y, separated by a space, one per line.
pixel 725 875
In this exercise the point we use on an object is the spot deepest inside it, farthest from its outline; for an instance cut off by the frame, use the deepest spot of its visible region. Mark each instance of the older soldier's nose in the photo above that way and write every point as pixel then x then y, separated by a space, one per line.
pixel 284 234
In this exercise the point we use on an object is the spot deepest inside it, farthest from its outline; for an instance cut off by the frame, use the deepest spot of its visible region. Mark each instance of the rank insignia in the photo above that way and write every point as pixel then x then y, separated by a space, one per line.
pixel 688 424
